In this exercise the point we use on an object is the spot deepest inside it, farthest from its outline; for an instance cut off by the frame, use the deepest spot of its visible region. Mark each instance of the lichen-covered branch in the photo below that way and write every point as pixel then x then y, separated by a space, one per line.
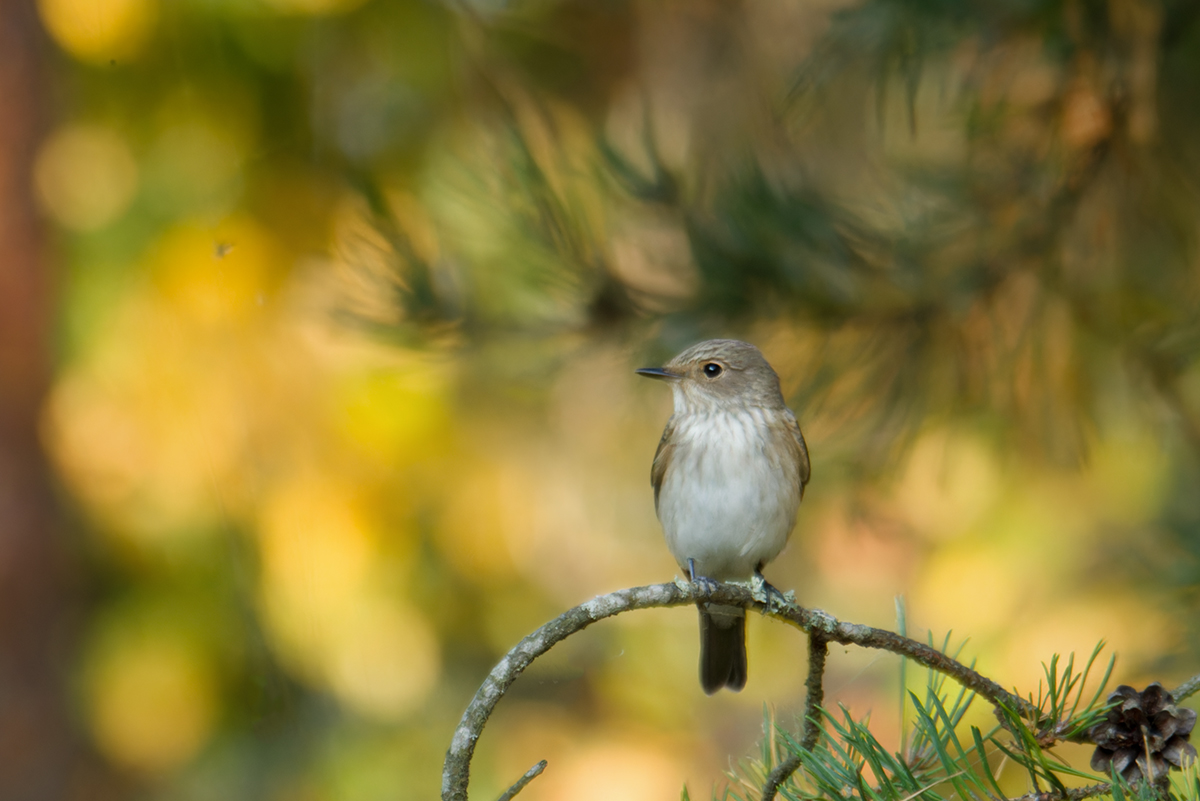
pixel 818 649
pixel 1073 794
pixel 520 783
pixel 1187 689
pixel 456 771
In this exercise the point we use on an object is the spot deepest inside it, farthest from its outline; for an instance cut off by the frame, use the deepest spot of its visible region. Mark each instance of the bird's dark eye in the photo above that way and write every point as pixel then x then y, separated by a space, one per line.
pixel 712 369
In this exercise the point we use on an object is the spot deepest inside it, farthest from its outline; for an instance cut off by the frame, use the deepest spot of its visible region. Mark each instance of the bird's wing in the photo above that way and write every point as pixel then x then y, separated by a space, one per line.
pixel 662 459
pixel 801 452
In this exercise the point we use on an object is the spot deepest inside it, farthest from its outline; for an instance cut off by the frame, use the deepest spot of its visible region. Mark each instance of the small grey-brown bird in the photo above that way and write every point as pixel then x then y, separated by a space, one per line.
pixel 728 478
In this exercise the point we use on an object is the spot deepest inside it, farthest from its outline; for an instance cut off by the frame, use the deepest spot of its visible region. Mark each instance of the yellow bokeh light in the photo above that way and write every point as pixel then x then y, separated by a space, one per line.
pixel 395 415
pixel 85 177
pixel 384 659
pixel 618 768
pixel 487 501
pixel 218 275
pixel 1132 629
pixel 949 482
pixel 317 549
pixel 973 589
pixel 99 31
pixel 152 703
pixel 141 433
pixel 150 422
pixel 322 606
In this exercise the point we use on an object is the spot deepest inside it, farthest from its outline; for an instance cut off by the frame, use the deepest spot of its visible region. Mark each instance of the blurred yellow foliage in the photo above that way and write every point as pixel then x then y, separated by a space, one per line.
pixel 626 765
pixel 216 276
pixel 384 658
pixel 100 31
pixel 86 176
pixel 949 481
pixel 975 588
pixel 152 698
pixel 199 404
pixel 318 546
pixel 395 416
pixel 323 603
pixel 153 421
pixel 1129 626
pixel 488 509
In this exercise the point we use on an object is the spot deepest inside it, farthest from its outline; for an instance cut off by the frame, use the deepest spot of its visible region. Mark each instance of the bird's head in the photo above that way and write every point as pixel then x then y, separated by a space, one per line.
pixel 719 375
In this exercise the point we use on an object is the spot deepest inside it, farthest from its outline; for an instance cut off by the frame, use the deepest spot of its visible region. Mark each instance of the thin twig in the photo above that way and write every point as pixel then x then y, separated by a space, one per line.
pixel 456 771
pixel 529 776
pixel 1187 689
pixel 818 649
pixel 1073 794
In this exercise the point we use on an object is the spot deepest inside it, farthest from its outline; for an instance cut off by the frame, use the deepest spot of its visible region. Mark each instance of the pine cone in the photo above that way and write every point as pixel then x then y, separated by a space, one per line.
pixel 1144 735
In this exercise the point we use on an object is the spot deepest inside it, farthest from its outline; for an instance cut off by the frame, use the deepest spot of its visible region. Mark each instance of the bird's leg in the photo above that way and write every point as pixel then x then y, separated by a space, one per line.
pixel 708 585
pixel 769 590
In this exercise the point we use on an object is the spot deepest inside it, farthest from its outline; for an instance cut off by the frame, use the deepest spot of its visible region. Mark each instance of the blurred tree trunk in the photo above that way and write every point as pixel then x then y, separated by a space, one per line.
pixel 39 752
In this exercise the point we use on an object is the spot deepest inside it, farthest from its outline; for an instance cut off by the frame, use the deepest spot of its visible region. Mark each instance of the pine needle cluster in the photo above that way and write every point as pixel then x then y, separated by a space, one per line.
pixel 946 754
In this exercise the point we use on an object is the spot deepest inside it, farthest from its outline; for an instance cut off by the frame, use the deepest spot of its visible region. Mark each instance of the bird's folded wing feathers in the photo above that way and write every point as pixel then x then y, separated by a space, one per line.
pixel 801 452
pixel 662 459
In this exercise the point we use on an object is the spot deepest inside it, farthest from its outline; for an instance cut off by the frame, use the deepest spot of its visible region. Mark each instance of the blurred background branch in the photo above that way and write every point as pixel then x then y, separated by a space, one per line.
pixel 40 752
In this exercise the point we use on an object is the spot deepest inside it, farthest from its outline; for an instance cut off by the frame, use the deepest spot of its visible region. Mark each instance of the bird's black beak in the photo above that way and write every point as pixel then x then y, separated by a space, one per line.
pixel 658 372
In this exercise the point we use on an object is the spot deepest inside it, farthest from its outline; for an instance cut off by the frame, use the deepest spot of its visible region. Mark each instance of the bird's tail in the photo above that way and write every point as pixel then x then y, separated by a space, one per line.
pixel 722 648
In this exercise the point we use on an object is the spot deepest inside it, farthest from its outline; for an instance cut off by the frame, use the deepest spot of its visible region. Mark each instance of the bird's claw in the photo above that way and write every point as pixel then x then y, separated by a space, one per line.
pixel 706 584
pixel 772 597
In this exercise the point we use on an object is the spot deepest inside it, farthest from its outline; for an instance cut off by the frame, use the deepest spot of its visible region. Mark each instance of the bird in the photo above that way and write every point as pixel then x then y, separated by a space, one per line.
pixel 728 478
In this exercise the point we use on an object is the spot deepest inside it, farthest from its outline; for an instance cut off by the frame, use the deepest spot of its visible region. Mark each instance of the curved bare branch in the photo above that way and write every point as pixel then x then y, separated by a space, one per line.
pixel 456 770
